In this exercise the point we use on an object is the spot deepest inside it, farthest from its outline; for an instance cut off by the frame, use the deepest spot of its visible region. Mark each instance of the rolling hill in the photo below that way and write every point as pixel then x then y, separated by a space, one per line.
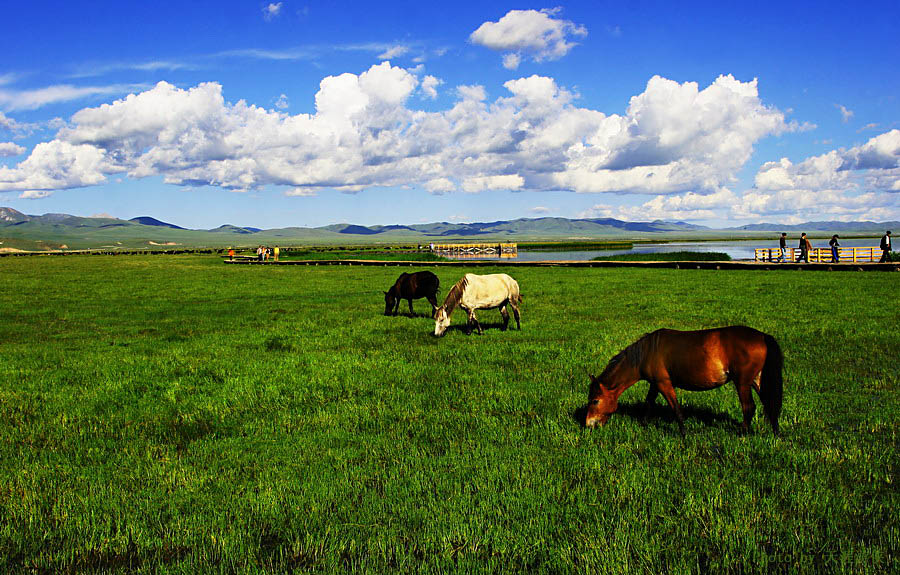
pixel 64 231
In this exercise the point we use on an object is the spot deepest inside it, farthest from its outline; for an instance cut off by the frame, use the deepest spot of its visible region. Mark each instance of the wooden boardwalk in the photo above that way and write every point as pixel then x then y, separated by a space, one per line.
pixel 501 250
pixel 820 255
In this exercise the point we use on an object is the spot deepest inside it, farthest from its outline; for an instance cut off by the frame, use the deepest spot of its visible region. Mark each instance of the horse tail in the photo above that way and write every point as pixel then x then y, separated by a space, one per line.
pixel 771 384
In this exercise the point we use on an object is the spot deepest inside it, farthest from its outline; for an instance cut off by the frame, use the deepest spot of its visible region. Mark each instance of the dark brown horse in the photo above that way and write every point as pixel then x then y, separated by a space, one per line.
pixel 695 361
pixel 409 287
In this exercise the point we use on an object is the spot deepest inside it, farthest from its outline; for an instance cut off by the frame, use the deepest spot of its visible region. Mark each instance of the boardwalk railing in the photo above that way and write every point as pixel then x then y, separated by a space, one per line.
pixel 475 250
pixel 858 254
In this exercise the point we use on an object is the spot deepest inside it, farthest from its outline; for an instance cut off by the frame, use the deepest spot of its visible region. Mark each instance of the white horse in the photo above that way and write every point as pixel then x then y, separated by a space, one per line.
pixel 474 292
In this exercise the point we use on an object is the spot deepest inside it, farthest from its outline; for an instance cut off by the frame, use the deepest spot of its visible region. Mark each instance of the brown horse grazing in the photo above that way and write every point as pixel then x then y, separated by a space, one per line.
pixel 695 361
pixel 409 287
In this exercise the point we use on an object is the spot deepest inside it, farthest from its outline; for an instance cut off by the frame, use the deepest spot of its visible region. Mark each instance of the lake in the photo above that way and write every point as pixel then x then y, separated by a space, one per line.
pixel 737 249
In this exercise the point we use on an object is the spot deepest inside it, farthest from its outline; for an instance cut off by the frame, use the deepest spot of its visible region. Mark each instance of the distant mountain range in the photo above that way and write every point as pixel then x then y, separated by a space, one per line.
pixel 51 231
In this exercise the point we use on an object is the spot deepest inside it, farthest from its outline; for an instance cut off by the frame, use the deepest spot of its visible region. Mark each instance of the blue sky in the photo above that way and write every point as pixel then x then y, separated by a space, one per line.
pixel 292 113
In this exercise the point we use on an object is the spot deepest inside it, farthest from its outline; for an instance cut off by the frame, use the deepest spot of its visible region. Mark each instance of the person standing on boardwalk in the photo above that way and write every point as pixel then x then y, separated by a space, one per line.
pixel 804 246
pixel 259 254
pixel 231 254
pixel 835 256
pixel 277 252
pixel 885 247
pixel 782 245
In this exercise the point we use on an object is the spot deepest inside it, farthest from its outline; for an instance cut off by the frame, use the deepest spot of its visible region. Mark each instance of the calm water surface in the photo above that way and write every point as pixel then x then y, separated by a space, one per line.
pixel 738 249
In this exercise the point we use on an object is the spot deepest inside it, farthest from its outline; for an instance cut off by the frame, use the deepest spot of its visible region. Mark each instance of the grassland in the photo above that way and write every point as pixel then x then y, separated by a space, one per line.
pixel 177 415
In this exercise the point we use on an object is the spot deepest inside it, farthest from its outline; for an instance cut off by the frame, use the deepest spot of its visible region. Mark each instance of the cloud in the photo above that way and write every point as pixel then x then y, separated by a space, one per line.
pixel 272 11
pixel 14 100
pixel 878 157
pixel 94 69
pixel 301 193
pixel 57 165
pixel 501 182
pixel 540 210
pixel 282 102
pixel 512 60
pixel 10 149
pixel 439 186
pixel 393 52
pixel 34 194
pixel 846 115
pixel 688 206
pixel 528 33
pixel 858 182
pixel 672 139
pixel 7 123
pixel 429 86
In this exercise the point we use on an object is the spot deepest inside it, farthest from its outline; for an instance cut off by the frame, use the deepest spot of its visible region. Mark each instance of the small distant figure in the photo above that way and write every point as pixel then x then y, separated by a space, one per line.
pixel 885 247
pixel 267 251
pixel 231 254
pixel 835 255
pixel 804 246
pixel 259 253
pixel 782 246
pixel 277 252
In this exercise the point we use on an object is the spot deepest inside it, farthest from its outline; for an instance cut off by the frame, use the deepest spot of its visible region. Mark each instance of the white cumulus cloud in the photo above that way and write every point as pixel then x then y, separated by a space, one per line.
pixel 859 183
pixel 534 34
pixel 10 149
pixel 429 86
pixel 673 139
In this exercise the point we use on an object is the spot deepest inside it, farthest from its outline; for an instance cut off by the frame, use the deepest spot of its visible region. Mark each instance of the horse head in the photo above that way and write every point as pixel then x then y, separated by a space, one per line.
pixel 602 402
pixel 441 321
pixel 389 301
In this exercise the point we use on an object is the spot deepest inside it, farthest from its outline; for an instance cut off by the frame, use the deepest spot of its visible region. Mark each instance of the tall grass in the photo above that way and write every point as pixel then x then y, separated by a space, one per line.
pixel 177 415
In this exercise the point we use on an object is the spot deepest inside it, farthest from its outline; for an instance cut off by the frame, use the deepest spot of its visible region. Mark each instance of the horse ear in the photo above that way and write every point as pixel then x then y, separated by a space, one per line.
pixel 593 378
pixel 385 293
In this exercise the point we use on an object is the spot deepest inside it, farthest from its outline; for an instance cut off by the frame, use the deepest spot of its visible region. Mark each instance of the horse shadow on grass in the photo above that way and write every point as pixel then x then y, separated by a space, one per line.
pixel 485 326
pixel 661 415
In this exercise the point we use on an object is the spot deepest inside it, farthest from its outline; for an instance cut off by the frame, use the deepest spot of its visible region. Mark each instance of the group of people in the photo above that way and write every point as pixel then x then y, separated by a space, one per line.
pixel 263 253
pixel 834 243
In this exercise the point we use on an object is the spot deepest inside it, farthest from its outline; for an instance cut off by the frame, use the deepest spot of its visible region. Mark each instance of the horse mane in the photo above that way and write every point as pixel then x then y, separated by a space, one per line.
pixel 455 295
pixel 634 354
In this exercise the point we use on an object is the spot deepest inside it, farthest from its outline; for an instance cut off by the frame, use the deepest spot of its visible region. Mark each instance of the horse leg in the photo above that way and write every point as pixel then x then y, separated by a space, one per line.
pixel 652 392
pixel 665 387
pixel 651 395
pixel 515 307
pixel 468 321
pixel 747 404
pixel 505 315
pixel 410 306
pixel 474 320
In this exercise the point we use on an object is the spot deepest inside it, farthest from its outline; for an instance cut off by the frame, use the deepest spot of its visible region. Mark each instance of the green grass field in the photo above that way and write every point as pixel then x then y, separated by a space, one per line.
pixel 178 415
